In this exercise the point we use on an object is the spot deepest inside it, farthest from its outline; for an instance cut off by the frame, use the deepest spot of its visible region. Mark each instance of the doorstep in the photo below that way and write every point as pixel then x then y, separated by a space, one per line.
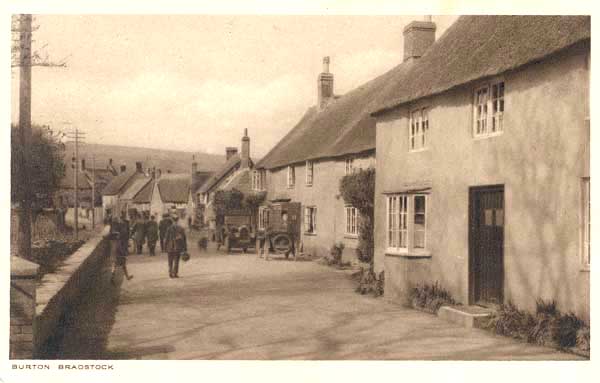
pixel 467 316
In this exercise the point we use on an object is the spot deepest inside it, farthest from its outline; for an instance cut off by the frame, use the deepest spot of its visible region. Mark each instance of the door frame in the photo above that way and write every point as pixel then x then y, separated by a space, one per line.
pixel 473 191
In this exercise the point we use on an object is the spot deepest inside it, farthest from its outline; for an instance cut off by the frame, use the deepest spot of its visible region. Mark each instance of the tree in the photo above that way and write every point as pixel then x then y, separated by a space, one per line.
pixel 46 165
pixel 358 190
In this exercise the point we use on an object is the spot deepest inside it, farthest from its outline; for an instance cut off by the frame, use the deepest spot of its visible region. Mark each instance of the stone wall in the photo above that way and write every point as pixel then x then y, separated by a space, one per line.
pixel 37 306
pixel 57 291
pixel 23 275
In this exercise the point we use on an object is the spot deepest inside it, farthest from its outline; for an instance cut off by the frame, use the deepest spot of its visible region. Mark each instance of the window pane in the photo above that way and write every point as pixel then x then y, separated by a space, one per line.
pixel 488 217
pixel 499 217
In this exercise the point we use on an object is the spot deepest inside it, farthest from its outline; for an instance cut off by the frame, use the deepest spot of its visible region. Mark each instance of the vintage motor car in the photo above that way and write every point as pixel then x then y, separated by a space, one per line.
pixel 238 230
pixel 283 227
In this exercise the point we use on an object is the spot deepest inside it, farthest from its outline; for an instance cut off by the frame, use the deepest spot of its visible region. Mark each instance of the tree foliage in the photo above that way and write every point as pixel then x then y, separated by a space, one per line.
pixel 358 190
pixel 46 165
pixel 234 199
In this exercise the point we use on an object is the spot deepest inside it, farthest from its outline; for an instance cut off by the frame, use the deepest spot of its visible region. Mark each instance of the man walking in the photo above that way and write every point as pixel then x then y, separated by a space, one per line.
pixel 164 224
pixel 175 243
pixel 139 233
pixel 152 235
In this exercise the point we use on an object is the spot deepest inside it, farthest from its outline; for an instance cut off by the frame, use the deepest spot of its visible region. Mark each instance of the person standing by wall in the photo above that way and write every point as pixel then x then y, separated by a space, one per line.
pixel 176 244
pixel 152 235
pixel 164 224
pixel 119 237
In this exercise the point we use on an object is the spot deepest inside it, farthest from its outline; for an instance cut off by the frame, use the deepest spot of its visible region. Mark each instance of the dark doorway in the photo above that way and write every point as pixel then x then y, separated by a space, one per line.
pixel 486 245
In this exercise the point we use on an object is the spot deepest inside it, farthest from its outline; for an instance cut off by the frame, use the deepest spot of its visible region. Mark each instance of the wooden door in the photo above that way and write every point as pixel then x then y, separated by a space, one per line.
pixel 486 245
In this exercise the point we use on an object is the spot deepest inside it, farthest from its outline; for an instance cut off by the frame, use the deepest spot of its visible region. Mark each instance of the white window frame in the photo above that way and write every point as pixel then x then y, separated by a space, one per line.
pixel 263 217
pixel 349 165
pixel 585 223
pixel 310 215
pixel 258 180
pixel 291 176
pixel 400 224
pixel 418 128
pixel 310 172
pixel 488 119
pixel 351 215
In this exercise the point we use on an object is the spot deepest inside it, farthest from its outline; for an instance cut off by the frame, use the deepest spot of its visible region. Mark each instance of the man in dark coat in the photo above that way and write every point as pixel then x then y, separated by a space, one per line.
pixel 175 244
pixel 139 233
pixel 124 231
pixel 152 235
pixel 164 224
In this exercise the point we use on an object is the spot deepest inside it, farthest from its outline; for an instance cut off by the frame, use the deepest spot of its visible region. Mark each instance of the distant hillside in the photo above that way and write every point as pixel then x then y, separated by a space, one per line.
pixel 173 160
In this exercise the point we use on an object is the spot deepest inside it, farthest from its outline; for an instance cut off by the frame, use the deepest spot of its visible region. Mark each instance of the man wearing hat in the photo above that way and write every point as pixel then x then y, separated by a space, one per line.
pixel 152 235
pixel 163 225
pixel 175 244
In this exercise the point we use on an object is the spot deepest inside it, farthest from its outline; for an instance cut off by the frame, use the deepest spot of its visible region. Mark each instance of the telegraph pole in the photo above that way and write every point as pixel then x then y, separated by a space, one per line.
pixel 24 238
pixel 77 136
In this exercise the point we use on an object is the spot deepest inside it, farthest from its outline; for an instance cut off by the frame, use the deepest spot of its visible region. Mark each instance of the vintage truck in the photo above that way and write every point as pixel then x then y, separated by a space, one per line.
pixel 238 230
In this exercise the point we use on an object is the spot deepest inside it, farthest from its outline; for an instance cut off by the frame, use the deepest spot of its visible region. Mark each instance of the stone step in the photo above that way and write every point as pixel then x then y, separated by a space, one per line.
pixel 467 316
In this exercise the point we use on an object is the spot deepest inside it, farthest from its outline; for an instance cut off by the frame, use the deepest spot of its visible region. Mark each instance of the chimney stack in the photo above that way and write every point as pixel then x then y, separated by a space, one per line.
pixel 230 152
pixel 245 151
pixel 138 167
pixel 123 168
pixel 194 170
pixel 325 85
pixel 418 36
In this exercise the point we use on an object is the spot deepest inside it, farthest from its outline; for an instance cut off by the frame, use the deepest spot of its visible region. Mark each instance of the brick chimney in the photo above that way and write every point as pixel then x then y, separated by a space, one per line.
pixel 194 170
pixel 230 151
pixel 418 36
pixel 138 167
pixel 245 151
pixel 324 85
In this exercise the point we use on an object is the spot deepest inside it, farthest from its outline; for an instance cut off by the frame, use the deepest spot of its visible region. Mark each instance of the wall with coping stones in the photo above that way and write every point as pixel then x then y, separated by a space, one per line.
pixel 23 277
pixel 57 291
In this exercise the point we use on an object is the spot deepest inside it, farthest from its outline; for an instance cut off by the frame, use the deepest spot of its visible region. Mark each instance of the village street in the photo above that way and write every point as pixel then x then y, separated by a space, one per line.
pixel 241 307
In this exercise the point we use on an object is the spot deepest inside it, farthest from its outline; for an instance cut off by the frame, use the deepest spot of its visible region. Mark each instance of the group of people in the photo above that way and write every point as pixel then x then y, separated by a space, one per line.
pixel 145 229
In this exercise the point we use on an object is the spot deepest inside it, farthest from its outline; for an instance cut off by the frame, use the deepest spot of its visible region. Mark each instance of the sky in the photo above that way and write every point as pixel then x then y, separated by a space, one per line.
pixel 195 82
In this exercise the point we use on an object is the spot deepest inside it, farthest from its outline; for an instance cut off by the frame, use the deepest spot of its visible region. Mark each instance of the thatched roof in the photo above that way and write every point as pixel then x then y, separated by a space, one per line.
pixel 174 188
pixel 343 127
pixel 121 181
pixel 476 47
pixel 145 194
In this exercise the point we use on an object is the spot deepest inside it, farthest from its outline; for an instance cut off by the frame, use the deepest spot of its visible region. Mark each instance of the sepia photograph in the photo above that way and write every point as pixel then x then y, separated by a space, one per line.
pixel 298 187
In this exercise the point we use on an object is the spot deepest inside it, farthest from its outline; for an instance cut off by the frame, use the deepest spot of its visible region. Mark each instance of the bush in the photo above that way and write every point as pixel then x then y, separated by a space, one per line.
pixel 549 327
pixel 430 297
pixel 358 190
pixel 370 283
pixel 336 251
